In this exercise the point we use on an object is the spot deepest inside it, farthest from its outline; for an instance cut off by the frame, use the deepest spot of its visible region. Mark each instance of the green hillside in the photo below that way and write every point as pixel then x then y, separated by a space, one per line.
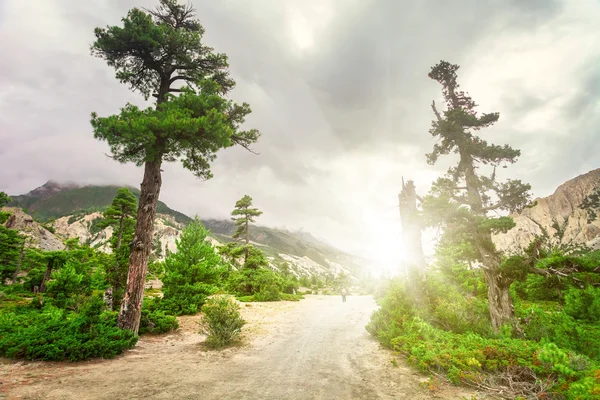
pixel 69 201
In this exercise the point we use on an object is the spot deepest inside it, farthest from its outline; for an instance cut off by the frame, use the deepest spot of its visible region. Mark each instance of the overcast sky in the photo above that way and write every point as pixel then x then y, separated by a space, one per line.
pixel 339 90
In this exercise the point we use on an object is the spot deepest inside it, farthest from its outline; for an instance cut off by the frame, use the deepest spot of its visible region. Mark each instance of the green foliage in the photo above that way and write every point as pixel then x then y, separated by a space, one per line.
pixel 150 53
pixel 4 199
pixel 262 283
pixel 120 215
pixel 221 322
pixel 10 248
pixel 65 284
pixel 155 320
pixel 54 334
pixel 468 357
pixel 583 304
pixel 192 273
pixel 243 214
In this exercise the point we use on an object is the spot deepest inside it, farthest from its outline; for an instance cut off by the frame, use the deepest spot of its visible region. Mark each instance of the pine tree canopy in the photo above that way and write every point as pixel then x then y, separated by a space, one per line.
pixel 152 52
pixel 460 201
pixel 245 211
pixel 123 206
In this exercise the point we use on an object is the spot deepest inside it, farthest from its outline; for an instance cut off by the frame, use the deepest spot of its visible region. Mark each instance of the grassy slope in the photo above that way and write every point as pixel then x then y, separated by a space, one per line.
pixel 88 198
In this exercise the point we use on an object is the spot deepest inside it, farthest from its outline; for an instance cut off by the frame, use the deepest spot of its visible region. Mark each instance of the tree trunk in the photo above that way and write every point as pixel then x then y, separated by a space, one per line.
pixel 411 225
pixel 131 306
pixel 246 250
pixel 501 311
pixel 120 236
pixel 16 274
pixel 46 275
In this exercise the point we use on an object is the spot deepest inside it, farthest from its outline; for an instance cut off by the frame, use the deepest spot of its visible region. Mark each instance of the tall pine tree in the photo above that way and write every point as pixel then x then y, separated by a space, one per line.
pixel 153 52
pixel 243 214
pixel 460 202
pixel 120 215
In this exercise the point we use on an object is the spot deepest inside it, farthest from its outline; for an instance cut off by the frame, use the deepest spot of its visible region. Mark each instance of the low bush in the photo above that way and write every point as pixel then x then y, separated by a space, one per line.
pixel 54 334
pixel 558 357
pixel 154 320
pixel 261 283
pixel 221 322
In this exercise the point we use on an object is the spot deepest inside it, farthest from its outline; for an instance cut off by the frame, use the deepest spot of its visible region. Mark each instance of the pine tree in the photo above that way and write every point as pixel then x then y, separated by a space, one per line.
pixel 11 246
pixel 152 52
pixel 459 202
pixel 192 273
pixel 120 215
pixel 246 213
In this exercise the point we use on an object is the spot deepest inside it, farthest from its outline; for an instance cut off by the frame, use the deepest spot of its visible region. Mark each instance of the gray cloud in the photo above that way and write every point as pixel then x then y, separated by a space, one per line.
pixel 339 90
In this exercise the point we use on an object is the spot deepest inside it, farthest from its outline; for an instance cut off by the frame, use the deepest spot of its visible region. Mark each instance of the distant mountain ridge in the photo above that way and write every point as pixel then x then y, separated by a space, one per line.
pixel 76 209
pixel 55 200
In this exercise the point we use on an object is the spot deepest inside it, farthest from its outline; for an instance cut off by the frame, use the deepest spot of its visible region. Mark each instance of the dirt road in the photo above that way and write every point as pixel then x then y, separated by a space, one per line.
pixel 314 349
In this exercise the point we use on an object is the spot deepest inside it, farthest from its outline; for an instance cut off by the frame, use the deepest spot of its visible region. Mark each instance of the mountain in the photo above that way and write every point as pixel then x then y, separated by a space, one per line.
pixel 75 211
pixel 559 215
pixel 300 249
pixel 54 200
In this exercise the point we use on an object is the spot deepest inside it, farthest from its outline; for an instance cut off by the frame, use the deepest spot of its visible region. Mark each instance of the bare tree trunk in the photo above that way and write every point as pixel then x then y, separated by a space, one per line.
pixel 500 305
pixel 246 250
pixel 120 237
pixel 46 277
pixel 16 274
pixel 131 306
pixel 411 225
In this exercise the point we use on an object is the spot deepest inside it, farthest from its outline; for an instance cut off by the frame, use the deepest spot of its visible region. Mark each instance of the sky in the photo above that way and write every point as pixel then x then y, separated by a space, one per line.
pixel 339 91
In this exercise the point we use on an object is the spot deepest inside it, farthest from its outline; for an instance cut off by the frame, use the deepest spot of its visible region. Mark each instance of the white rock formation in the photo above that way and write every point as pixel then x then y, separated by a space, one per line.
pixel 39 237
pixel 559 210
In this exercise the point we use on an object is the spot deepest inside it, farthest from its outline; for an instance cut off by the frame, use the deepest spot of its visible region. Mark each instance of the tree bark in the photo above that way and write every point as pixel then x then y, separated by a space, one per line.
pixel 499 302
pixel 246 250
pixel 120 237
pixel 46 277
pixel 16 274
pixel 131 306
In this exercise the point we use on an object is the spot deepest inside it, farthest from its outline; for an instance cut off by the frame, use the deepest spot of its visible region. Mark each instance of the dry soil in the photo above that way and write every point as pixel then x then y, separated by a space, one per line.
pixel 317 348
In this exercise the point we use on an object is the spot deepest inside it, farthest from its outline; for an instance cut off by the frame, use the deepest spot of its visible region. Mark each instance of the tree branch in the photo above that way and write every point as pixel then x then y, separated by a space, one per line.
pixel 490 208
pixel 178 77
pixel 239 141
pixel 435 111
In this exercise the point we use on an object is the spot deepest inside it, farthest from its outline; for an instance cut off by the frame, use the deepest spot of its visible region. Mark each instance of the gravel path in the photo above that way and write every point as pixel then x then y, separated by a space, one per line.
pixel 317 348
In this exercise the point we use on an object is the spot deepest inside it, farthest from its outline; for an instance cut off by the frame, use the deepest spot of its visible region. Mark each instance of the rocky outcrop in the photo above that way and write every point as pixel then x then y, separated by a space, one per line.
pixel 39 237
pixel 81 228
pixel 558 215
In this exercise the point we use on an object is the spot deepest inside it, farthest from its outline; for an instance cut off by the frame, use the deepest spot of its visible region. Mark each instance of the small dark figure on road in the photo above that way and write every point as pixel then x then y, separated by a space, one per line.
pixel 344 294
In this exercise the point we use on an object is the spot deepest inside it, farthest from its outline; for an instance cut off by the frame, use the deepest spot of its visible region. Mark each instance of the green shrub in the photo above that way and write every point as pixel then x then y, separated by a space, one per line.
pixel 65 283
pixel 221 322
pixel 557 348
pixel 291 297
pixel 155 320
pixel 583 304
pixel 54 334
pixel 263 283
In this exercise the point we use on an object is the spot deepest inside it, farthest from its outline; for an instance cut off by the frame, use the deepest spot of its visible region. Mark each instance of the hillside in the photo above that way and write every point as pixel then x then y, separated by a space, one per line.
pixel 559 215
pixel 77 209
pixel 54 200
